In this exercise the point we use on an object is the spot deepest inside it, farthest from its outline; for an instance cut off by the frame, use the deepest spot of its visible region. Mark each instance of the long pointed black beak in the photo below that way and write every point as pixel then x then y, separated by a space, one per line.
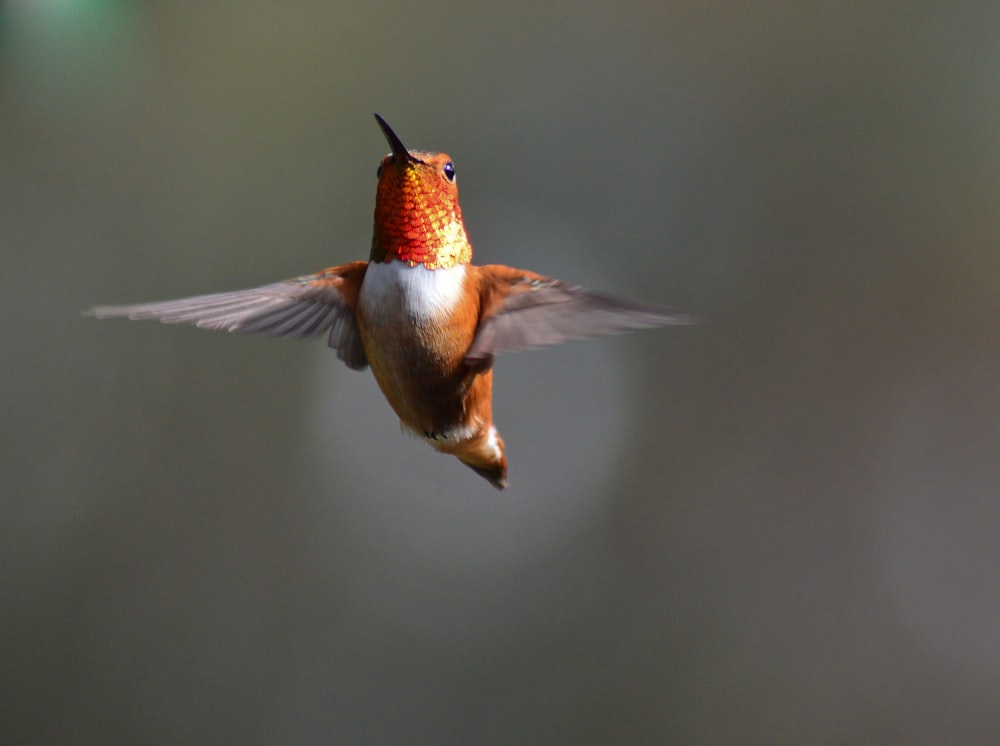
pixel 398 149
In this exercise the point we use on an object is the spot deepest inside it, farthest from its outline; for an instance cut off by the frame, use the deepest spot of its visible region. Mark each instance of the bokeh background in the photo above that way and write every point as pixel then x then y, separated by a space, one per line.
pixel 778 527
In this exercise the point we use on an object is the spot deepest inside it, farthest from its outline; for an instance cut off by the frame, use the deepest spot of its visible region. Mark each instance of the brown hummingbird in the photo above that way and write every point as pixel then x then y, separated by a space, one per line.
pixel 427 320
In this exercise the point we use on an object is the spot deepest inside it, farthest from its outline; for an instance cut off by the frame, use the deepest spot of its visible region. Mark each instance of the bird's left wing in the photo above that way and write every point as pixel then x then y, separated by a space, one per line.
pixel 302 307
pixel 521 309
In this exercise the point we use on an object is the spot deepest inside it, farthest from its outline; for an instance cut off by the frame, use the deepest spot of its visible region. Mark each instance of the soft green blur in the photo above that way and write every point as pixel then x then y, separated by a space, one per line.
pixel 780 527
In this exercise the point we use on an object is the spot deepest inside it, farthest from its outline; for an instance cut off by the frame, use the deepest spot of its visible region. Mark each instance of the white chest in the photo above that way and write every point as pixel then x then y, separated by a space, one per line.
pixel 394 291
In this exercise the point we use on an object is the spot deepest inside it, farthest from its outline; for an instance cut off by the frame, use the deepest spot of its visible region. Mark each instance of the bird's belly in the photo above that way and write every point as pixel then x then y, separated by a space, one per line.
pixel 409 319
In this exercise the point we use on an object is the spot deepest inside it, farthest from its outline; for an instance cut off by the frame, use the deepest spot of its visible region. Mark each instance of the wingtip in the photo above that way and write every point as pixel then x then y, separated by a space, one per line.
pixel 685 319
pixel 108 312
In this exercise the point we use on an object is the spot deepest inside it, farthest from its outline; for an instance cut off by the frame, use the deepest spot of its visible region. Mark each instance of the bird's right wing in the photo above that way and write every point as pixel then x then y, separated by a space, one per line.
pixel 302 307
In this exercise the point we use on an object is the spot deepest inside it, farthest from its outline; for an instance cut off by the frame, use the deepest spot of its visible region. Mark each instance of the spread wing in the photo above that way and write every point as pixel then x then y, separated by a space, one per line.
pixel 521 309
pixel 302 307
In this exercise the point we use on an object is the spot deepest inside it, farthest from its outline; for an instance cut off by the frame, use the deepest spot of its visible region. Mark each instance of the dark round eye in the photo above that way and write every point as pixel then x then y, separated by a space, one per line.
pixel 378 172
pixel 449 171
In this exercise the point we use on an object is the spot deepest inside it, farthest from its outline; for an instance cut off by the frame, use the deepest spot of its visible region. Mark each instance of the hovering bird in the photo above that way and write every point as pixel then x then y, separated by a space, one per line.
pixel 427 320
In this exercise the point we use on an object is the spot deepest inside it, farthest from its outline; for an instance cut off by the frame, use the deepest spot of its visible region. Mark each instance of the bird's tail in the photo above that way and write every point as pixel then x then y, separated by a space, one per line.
pixel 485 456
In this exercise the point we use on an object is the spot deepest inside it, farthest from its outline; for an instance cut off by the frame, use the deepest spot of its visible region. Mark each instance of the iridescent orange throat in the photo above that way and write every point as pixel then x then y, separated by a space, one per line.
pixel 417 219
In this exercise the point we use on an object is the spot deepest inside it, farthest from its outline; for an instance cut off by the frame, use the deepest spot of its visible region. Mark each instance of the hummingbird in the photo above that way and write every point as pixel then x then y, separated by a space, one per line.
pixel 426 320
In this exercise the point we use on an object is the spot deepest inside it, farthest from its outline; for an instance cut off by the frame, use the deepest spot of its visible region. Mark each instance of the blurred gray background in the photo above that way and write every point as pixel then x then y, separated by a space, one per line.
pixel 779 527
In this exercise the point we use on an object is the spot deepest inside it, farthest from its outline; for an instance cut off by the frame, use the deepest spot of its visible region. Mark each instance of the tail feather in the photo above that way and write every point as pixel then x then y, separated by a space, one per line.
pixel 485 456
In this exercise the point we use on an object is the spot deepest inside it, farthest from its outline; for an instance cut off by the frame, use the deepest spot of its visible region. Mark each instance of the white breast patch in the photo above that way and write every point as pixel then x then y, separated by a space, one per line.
pixel 426 294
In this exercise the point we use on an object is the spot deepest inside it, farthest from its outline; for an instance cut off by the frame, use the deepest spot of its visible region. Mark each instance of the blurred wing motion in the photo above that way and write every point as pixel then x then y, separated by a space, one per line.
pixel 522 309
pixel 303 307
